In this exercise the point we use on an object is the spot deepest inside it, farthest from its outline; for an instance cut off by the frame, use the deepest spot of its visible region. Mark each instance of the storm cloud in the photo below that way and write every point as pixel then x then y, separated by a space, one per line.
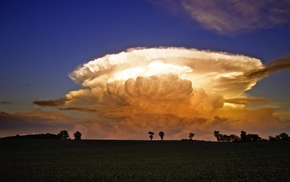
pixel 172 89
pixel 178 81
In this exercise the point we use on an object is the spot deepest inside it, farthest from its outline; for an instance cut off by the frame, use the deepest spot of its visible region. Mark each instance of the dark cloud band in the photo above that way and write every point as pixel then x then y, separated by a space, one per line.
pixel 51 103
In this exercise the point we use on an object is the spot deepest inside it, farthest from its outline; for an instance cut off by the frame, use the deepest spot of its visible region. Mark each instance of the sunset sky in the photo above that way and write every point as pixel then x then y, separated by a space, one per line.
pixel 118 69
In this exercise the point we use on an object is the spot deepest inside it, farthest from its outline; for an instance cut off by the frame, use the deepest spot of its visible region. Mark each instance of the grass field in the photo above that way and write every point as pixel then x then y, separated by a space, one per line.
pixel 92 160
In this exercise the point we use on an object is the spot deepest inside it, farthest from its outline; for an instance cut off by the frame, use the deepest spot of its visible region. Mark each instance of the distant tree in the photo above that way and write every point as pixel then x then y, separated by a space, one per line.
pixel 284 136
pixel 63 134
pixel 226 138
pixel 161 134
pixel 190 136
pixel 151 135
pixel 271 138
pixel 234 138
pixel 253 137
pixel 51 136
pixel 244 136
pixel 217 135
pixel 249 137
pixel 78 135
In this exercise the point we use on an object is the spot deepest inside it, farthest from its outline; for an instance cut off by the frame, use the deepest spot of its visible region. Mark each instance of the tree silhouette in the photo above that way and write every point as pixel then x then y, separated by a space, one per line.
pixel 63 134
pixel 244 136
pixel 249 137
pixel 253 137
pixel 217 135
pixel 161 134
pixel 78 135
pixel 151 135
pixel 234 138
pixel 225 138
pixel 271 138
pixel 190 136
pixel 278 137
pixel 284 136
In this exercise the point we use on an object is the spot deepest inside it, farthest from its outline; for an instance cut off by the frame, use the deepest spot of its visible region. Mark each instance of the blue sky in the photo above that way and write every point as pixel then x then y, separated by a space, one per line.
pixel 42 42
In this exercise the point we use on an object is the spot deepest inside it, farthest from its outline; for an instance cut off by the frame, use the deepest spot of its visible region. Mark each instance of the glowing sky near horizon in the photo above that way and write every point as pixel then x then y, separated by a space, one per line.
pixel 191 66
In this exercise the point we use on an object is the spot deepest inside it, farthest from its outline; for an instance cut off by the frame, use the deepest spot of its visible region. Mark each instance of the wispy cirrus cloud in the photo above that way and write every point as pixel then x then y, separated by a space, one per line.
pixel 232 16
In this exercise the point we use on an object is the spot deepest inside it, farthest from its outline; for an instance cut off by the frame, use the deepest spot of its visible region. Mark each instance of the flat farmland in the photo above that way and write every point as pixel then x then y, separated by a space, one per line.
pixel 97 160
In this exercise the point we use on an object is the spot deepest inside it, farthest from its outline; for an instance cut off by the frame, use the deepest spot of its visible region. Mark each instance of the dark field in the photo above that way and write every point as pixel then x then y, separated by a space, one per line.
pixel 67 160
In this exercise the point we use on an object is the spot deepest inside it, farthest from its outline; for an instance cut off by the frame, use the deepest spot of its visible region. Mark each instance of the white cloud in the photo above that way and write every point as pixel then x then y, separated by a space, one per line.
pixel 177 90
pixel 160 88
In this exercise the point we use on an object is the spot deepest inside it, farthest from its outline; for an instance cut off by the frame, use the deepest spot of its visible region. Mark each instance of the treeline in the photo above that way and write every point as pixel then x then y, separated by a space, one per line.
pixel 33 136
pixel 282 136
pixel 64 135
pixel 161 134
pixel 244 137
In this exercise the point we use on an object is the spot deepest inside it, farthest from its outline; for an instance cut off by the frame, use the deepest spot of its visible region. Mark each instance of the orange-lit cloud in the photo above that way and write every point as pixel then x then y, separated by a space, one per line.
pixel 185 83
pixel 245 100
pixel 264 121
pixel 231 16
pixel 176 90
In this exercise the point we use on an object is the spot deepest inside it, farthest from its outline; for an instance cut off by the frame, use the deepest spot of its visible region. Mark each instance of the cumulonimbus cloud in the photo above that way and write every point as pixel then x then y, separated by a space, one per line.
pixel 232 16
pixel 178 81
pixel 164 88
